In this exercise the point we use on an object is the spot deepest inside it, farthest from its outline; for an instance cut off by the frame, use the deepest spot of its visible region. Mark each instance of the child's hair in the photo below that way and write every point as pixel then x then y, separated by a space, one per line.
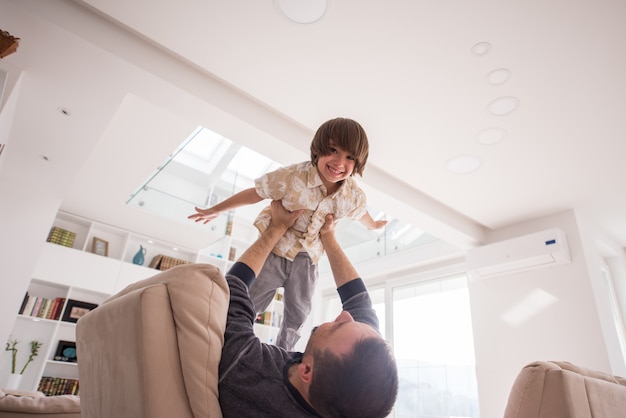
pixel 348 135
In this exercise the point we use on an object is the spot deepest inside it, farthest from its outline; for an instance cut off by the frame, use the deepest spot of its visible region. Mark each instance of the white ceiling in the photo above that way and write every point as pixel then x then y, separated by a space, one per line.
pixel 139 75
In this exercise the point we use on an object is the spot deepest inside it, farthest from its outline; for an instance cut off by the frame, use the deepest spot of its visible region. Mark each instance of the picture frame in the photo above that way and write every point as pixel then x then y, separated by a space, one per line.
pixel 66 351
pixel 76 309
pixel 100 246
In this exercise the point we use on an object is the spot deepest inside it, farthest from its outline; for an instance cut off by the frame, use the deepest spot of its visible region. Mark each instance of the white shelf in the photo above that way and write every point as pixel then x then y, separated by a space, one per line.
pixel 79 274
pixel 47 331
pixel 269 332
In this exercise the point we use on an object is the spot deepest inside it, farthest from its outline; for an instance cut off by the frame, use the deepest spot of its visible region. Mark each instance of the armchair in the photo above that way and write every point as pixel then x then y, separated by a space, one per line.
pixel 559 389
pixel 153 349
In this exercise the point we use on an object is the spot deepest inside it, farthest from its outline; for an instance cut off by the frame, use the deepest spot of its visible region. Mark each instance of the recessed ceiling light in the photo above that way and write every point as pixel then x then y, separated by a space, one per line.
pixel 499 76
pixel 463 164
pixel 491 136
pixel 481 48
pixel 503 105
pixel 302 11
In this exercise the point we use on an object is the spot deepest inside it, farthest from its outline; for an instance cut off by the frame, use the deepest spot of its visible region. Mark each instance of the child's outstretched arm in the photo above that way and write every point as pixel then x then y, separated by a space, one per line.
pixel 370 223
pixel 244 197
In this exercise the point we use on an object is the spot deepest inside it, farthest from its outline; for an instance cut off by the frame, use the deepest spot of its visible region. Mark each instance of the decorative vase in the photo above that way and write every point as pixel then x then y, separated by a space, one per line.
pixel 14 381
pixel 139 257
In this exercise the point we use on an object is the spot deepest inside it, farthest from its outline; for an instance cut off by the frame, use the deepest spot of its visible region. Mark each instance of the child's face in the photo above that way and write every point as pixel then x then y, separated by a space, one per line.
pixel 336 166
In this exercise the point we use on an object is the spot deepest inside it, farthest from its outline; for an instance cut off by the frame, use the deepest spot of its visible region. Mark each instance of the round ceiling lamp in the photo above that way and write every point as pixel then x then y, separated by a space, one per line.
pixel 491 136
pixel 481 48
pixel 302 11
pixel 499 76
pixel 503 105
pixel 463 164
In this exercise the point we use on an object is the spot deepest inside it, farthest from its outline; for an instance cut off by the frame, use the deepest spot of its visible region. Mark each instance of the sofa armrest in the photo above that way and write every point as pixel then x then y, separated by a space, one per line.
pixel 153 349
pixel 551 389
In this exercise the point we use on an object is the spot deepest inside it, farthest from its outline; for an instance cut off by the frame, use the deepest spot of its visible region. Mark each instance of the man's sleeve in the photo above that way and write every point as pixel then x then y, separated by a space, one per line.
pixel 243 272
pixel 356 300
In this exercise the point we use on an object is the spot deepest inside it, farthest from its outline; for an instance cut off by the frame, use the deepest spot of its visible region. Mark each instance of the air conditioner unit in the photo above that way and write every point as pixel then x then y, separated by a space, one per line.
pixel 527 252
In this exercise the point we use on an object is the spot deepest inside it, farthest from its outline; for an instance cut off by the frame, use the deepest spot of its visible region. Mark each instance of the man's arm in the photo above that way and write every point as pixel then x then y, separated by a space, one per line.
pixel 255 256
pixel 342 268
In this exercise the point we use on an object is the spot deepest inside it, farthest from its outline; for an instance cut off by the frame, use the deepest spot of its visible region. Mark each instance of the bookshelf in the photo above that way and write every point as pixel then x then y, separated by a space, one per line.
pixel 69 269
pixel 36 322
pixel 123 245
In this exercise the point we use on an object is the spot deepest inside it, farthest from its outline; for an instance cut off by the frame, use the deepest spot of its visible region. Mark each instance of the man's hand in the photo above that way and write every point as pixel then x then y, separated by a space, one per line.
pixel 328 229
pixel 281 217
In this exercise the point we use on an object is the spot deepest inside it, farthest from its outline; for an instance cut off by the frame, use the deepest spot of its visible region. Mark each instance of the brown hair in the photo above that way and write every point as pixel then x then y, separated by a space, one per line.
pixel 363 383
pixel 348 135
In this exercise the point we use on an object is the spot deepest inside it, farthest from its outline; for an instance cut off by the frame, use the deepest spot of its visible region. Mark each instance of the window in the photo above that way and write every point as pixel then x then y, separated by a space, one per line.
pixel 434 347
pixel 615 310
pixel 431 331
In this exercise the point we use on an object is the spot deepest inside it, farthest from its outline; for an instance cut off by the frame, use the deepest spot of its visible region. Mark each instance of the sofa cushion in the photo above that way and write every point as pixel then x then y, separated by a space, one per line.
pixel 15 404
pixel 154 348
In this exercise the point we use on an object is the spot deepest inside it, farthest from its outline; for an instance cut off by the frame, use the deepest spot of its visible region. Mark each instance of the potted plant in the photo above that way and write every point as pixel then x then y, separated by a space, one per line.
pixel 14 377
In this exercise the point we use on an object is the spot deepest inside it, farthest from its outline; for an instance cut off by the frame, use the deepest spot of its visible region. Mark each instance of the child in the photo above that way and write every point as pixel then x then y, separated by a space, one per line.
pixel 321 186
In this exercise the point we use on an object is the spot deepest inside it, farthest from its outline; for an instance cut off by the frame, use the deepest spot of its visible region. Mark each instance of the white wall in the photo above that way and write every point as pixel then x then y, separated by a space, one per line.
pixel 25 219
pixel 544 314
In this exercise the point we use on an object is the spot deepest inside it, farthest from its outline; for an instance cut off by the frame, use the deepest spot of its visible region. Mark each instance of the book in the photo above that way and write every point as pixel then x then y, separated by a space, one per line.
pixel 54 386
pixel 61 236
pixel 58 307
pixel 24 302
pixel 30 304
pixel 36 307
pixel 164 262
pixel 156 261
pixel 45 307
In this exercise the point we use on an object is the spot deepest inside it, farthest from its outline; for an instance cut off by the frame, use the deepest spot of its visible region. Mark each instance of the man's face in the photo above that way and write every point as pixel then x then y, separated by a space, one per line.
pixel 340 335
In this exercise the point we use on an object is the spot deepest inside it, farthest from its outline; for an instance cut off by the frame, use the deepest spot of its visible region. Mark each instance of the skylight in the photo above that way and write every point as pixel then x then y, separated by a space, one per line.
pixel 208 168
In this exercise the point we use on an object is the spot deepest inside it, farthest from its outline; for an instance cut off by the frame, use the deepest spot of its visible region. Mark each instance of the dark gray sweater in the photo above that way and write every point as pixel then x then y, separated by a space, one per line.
pixel 253 375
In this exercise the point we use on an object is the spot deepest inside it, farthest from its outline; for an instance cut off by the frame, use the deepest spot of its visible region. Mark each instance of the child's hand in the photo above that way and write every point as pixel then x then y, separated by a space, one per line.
pixel 204 215
pixel 370 223
pixel 379 224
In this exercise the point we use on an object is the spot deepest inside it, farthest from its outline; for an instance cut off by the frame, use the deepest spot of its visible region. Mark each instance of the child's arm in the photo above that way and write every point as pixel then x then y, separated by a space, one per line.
pixel 370 223
pixel 244 197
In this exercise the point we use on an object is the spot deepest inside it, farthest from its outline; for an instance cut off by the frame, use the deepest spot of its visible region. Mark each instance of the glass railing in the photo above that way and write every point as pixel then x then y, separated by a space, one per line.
pixel 208 168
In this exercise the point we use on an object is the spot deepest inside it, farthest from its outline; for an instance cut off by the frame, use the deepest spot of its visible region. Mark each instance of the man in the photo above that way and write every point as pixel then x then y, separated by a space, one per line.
pixel 346 370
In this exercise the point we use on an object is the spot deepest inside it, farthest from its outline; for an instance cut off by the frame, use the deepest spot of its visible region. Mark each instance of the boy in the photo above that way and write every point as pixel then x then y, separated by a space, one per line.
pixel 321 186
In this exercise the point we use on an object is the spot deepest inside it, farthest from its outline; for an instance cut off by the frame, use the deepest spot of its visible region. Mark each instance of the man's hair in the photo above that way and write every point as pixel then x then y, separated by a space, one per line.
pixel 362 383
pixel 348 135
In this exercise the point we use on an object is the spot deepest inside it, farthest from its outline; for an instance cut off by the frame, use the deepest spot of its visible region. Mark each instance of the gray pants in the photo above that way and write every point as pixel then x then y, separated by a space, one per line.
pixel 298 278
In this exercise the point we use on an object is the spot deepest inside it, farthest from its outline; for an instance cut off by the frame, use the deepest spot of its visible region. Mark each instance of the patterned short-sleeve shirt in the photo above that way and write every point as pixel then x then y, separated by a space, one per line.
pixel 299 186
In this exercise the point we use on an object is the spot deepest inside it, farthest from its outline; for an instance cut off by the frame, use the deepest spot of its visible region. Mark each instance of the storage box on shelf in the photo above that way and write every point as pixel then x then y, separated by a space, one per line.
pixel 48 315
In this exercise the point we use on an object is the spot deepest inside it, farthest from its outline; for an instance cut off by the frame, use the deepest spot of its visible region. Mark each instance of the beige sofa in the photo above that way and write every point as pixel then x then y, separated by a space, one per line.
pixel 23 404
pixel 153 349
pixel 558 389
